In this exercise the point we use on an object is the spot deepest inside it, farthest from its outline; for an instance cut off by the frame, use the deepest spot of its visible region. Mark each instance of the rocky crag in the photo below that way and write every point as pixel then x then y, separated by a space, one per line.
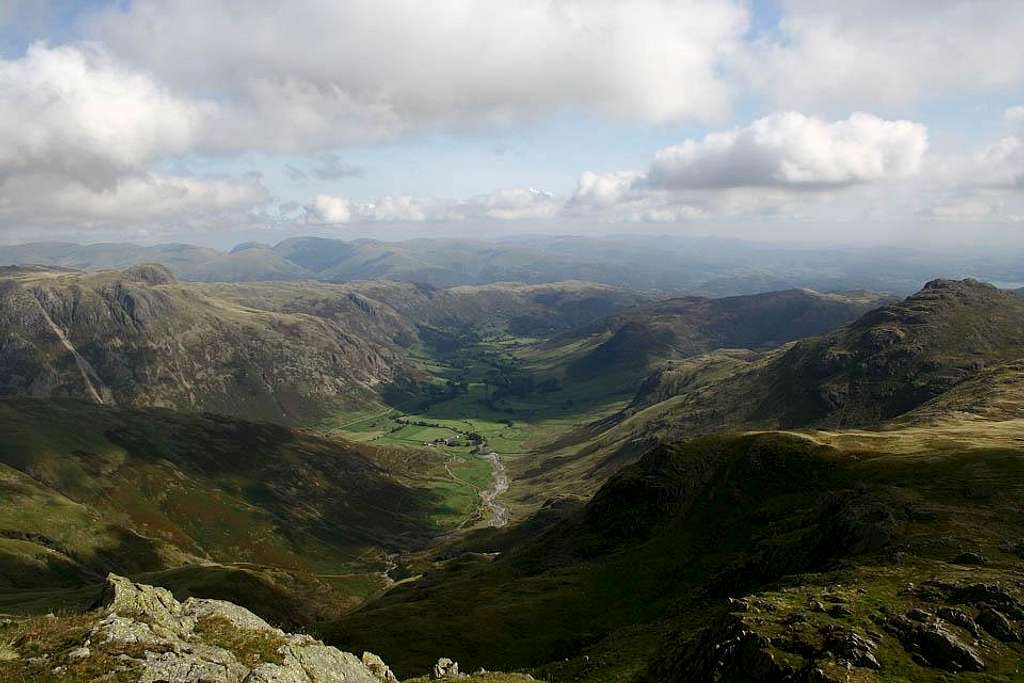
pixel 142 634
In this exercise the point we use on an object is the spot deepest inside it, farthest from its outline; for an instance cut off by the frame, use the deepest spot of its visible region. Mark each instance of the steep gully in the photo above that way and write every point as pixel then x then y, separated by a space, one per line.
pixel 83 365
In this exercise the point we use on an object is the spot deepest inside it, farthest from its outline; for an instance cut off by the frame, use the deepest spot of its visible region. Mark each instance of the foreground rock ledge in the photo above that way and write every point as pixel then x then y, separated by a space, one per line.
pixel 139 633
pixel 177 644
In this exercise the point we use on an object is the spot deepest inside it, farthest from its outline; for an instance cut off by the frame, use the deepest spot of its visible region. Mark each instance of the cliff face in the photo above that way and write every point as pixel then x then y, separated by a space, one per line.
pixel 137 338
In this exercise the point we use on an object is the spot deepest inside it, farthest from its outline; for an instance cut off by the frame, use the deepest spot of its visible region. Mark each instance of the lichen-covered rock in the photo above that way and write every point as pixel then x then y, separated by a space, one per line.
pixel 175 651
pixel 240 617
pixel 210 665
pixel 853 647
pixel 378 668
pixel 149 604
pixel 125 631
pixel 445 668
pixel 959 618
pixel 316 663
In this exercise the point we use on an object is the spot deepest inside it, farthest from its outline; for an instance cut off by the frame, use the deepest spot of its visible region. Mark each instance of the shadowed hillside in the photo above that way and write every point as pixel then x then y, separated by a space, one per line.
pixel 889 362
pixel 682 328
pixel 138 338
pixel 651 560
pixel 90 489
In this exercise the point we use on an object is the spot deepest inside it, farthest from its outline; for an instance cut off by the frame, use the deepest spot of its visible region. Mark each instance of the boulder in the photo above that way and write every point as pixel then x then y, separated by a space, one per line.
pixel 378 668
pixel 316 663
pixel 946 650
pixel 996 623
pixel 237 616
pixel 933 645
pixel 148 604
pixel 971 558
pixel 853 648
pixel 959 618
pixel 445 668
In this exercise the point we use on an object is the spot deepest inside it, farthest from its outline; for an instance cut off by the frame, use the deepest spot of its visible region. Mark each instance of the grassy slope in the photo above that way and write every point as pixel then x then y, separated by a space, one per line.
pixel 91 489
pixel 946 349
pixel 669 537
pixel 636 338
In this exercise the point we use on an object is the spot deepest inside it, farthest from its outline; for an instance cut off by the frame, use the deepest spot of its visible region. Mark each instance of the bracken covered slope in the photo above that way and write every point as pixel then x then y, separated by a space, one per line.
pixel 224 503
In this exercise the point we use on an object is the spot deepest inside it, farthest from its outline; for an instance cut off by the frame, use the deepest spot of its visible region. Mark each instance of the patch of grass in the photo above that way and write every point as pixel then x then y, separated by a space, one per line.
pixel 42 645
pixel 251 648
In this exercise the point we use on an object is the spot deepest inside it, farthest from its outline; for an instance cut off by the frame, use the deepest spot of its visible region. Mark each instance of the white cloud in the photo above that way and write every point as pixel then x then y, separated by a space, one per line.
pixel 1000 165
pixel 79 136
pixel 330 209
pixel 76 113
pixel 515 204
pixel 605 190
pixel 336 72
pixel 996 166
pixel 975 208
pixel 790 149
pixel 157 203
pixel 1015 114
pixel 332 167
pixel 156 196
pixel 392 209
pixel 779 164
pixel 879 53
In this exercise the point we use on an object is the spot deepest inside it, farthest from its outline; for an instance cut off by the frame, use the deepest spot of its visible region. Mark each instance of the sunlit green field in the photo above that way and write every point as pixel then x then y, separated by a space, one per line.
pixel 466 391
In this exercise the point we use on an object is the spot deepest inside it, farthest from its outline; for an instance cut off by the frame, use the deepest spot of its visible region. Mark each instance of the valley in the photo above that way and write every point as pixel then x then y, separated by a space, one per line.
pixel 552 341
pixel 568 479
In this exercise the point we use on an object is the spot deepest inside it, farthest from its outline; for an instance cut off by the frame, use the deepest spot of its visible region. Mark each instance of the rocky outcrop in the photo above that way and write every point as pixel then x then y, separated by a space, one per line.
pixel 212 641
pixel 797 635
pixel 378 668
pixel 445 668
pixel 932 644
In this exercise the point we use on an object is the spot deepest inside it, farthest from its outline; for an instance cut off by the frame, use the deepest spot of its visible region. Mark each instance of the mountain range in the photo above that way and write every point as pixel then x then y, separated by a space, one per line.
pixel 702 266
pixel 578 481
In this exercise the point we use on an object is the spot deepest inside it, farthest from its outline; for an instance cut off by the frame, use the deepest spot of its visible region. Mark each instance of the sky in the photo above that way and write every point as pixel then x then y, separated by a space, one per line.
pixel 216 121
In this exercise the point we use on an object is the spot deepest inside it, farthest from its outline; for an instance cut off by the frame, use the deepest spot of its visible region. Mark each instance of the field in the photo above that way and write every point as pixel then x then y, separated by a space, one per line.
pixel 498 393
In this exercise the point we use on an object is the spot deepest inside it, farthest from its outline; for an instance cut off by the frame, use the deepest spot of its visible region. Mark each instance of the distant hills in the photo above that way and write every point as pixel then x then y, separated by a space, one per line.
pixel 688 265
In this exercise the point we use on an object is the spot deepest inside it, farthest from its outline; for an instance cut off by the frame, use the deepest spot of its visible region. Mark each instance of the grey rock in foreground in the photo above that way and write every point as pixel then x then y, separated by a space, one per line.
pixel 173 649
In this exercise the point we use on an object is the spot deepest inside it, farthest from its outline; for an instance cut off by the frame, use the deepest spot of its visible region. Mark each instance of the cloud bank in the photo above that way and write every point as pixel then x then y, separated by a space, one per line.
pixel 104 128
pixel 326 72
pixel 792 150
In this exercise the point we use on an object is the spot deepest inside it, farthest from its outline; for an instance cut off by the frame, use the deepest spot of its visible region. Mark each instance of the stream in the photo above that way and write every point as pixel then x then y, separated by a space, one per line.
pixel 489 497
